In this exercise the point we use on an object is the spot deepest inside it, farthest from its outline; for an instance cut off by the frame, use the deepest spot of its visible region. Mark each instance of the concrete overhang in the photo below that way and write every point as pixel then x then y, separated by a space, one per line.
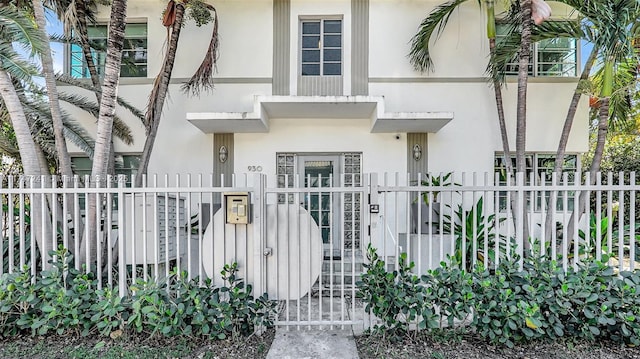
pixel 349 107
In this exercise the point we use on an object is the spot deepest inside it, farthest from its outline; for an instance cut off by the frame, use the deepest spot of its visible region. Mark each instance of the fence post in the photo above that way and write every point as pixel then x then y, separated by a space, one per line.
pixel 372 199
pixel 122 255
pixel 520 220
pixel 258 221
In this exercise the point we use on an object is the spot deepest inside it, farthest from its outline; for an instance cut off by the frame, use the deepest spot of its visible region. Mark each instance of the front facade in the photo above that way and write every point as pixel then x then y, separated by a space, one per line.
pixel 320 93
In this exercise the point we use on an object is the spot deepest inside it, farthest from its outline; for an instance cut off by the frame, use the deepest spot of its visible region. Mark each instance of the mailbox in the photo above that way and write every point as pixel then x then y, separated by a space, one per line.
pixel 237 207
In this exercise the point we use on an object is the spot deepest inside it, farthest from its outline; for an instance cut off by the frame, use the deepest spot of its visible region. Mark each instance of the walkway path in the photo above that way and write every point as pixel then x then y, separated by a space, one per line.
pixel 313 344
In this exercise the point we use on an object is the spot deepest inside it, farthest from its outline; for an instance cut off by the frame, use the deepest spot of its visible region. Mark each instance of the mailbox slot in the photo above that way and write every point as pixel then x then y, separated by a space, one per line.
pixel 237 208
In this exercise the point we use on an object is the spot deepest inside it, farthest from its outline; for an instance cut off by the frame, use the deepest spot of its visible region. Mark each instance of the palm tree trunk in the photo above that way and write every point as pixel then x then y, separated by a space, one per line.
pixel 603 129
pixel 115 44
pixel 159 94
pixel 28 153
pixel 64 160
pixel 564 138
pixel 521 118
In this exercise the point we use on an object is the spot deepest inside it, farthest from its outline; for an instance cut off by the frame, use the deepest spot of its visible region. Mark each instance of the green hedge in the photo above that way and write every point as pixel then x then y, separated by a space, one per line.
pixel 505 305
pixel 63 300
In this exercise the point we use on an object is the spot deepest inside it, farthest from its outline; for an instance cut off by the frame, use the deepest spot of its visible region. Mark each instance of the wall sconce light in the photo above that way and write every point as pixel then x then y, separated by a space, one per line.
pixel 223 154
pixel 417 152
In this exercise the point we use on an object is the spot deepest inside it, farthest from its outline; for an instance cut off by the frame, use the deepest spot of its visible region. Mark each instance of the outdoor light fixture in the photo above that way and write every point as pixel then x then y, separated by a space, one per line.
pixel 417 152
pixel 223 154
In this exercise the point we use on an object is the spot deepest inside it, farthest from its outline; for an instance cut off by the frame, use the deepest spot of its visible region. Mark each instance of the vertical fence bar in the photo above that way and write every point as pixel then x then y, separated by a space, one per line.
pixel 178 237
pixel 565 223
pixel 576 222
pixel 43 222
pixel 110 180
pixel 134 238
pixel 145 238
pixel 485 224
pixel 496 204
pixel 632 220
pixel 609 215
pixel 520 179
pixel 201 229
pixel 463 225
pixel 100 228
pixel 621 183
pixel 65 211
pixel 122 245
pixel 598 210
pixel 12 219
pixel 54 215
pixel 23 245
pixel 553 206
pixel 543 216
pixel 587 232
pixel 78 225
pixel 167 262
pixel 510 219
pixel 476 211
pixel 188 233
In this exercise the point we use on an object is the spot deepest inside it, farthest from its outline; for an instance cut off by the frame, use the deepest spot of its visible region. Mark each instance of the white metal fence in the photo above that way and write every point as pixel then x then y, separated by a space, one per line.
pixel 306 245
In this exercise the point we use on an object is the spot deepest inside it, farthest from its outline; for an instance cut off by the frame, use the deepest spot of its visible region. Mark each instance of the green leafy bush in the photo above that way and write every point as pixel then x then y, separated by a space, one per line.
pixel 397 298
pixel 63 300
pixel 518 301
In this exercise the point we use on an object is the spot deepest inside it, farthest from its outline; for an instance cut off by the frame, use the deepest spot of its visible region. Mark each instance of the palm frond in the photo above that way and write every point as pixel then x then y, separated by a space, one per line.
pixel 202 79
pixel 120 129
pixel 434 23
pixel 17 28
pixel 66 79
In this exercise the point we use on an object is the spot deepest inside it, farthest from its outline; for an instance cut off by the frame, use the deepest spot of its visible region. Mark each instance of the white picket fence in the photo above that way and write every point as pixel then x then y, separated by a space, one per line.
pixel 306 245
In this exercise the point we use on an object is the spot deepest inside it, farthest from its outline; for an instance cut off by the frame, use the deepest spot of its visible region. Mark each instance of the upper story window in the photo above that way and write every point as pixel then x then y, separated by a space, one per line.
pixel 134 54
pixel 552 57
pixel 321 47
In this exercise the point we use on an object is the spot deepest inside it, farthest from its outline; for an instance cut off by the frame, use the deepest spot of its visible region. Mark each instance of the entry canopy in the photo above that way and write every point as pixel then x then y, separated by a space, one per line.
pixel 348 107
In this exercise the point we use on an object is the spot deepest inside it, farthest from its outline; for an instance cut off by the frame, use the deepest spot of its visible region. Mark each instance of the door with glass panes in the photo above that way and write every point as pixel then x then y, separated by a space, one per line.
pixel 322 172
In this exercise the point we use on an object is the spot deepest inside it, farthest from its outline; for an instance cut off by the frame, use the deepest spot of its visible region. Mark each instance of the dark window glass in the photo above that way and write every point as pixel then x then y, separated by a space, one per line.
pixel 311 27
pixel 332 55
pixel 332 69
pixel 311 70
pixel 332 40
pixel 311 42
pixel 311 55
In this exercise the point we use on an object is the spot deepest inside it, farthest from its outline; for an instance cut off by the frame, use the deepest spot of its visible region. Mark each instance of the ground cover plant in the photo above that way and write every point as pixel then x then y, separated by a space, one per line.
pixel 514 304
pixel 63 300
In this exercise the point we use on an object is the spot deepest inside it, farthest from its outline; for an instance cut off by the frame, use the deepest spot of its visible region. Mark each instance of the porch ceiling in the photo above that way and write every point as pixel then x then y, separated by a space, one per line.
pixel 353 107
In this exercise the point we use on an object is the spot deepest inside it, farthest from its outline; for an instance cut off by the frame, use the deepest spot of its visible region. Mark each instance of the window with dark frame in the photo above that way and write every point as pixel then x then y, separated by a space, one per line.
pixel 321 47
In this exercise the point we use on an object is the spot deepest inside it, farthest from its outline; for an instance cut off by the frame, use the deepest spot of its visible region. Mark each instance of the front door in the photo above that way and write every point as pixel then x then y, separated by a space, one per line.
pixel 323 171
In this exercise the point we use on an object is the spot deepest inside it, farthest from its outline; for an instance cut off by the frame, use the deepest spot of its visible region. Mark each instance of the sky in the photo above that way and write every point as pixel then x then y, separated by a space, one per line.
pixel 57 49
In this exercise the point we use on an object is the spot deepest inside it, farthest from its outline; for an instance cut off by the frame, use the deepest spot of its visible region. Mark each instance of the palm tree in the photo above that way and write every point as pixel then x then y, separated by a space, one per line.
pixel 202 79
pixel 434 24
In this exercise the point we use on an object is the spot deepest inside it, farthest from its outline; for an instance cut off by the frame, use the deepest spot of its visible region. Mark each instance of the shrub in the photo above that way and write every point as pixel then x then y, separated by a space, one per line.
pixel 515 302
pixel 397 298
pixel 63 300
